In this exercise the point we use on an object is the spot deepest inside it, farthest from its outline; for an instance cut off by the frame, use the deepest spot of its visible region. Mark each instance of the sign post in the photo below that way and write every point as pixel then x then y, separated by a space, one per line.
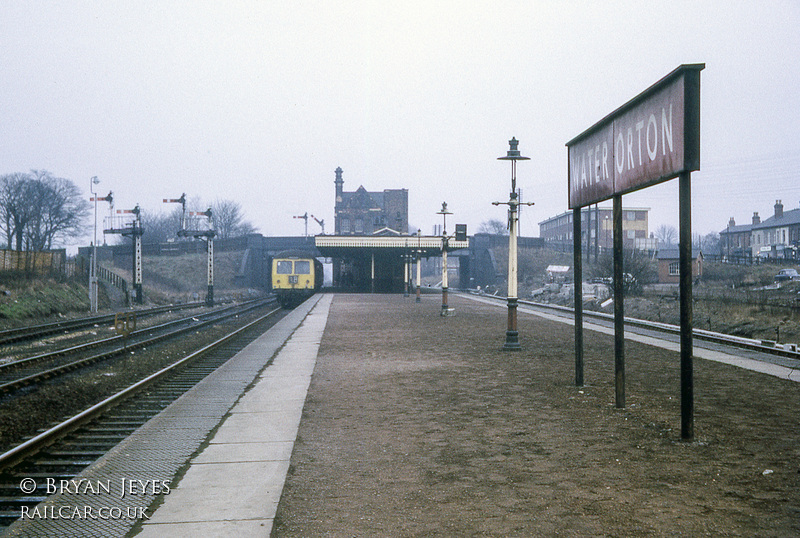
pixel 652 138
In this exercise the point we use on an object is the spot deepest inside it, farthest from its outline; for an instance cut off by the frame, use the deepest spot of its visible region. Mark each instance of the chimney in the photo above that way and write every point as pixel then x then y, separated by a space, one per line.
pixel 756 218
pixel 731 223
pixel 778 209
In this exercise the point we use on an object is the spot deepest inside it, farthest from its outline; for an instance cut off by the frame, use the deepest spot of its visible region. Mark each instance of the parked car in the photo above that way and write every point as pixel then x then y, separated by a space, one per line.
pixel 787 274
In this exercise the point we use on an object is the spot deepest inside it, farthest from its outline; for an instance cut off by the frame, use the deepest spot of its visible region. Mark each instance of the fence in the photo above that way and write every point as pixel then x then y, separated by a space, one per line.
pixel 750 260
pixel 112 278
pixel 31 262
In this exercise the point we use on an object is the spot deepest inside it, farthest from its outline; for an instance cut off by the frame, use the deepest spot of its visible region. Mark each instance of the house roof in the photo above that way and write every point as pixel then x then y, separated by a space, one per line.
pixel 788 218
pixel 362 199
pixel 739 228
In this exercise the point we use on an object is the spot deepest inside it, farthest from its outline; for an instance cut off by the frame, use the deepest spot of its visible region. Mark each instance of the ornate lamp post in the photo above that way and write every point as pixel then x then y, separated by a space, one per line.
pixel 406 269
pixel 419 270
pixel 444 212
pixel 512 335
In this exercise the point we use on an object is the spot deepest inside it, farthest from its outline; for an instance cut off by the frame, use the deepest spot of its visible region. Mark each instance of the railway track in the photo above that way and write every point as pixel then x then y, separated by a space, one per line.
pixel 37 368
pixel 62 451
pixel 757 346
pixel 35 332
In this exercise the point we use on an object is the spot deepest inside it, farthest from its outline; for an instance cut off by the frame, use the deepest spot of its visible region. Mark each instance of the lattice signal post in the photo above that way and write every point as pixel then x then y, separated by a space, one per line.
pixel 192 225
pixel 93 284
pixel 122 224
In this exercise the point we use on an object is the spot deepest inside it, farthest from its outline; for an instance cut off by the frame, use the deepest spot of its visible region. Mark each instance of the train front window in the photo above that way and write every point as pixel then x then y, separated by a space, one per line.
pixel 284 267
pixel 302 267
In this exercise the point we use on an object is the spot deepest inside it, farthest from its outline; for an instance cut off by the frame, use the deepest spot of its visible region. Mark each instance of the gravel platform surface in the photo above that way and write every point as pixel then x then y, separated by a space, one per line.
pixel 419 425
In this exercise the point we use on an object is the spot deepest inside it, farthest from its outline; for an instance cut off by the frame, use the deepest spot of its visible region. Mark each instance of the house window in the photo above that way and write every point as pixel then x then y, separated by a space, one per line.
pixel 345 226
pixel 630 215
pixel 359 226
pixel 674 269
pixel 631 234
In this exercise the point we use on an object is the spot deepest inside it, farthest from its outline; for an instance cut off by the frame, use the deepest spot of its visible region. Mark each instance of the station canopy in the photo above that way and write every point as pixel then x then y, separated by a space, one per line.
pixel 337 246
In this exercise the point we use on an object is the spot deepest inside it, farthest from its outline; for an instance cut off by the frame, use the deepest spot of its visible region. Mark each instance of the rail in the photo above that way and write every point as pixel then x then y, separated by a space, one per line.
pixel 46 438
pixel 763 346
pixel 36 331
pixel 37 375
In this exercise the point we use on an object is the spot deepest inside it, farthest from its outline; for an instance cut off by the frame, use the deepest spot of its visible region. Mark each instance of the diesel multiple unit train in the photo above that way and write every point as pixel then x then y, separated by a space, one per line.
pixel 296 276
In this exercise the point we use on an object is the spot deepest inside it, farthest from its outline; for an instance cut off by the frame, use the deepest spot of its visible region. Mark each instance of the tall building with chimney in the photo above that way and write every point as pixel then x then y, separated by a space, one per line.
pixel 361 212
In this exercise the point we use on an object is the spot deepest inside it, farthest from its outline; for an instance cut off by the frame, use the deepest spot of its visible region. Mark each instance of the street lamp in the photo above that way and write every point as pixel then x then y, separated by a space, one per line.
pixel 512 335
pixel 419 252
pixel 406 269
pixel 444 212
pixel 93 265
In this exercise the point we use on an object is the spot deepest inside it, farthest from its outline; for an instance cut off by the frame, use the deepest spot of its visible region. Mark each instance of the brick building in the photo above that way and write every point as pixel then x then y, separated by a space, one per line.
pixel 366 213
pixel 776 237
pixel 734 241
pixel 669 265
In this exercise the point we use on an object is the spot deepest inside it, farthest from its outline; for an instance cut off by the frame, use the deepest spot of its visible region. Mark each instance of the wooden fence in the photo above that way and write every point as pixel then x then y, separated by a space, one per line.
pixel 30 262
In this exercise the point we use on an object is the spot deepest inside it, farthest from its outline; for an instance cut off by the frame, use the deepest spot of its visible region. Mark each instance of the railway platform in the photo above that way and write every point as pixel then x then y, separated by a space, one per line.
pixel 372 415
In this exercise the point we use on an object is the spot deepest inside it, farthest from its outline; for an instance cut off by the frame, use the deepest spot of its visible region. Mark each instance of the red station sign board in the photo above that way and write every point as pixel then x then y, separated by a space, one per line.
pixel 650 139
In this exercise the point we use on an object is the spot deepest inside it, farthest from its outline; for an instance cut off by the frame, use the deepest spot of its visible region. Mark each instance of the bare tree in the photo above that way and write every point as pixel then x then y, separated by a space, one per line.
pixel 228 219
pixel 160 227
pixel 666 234
pixel 14 212
pixel 37 210
pixel 709 243
pixel 60 210
pixel 493 226
pixel 638 268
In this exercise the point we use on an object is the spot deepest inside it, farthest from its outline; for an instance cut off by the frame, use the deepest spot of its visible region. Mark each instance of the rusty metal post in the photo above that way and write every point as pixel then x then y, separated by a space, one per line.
pixel 685 261
pixel 619 306
pixel 578 280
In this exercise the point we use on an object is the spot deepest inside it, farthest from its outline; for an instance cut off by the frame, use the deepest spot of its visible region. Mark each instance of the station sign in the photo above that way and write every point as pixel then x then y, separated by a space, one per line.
pixel 652 138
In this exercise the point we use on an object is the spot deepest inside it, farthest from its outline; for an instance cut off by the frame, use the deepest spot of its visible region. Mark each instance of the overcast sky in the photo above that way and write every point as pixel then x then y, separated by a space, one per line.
pixel 260 101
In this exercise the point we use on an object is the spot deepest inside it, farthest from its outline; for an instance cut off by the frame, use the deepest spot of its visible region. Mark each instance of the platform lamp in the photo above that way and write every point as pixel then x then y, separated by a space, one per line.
pixel 406 269
pixel 419 253
pixel 512 335
pixel 444 212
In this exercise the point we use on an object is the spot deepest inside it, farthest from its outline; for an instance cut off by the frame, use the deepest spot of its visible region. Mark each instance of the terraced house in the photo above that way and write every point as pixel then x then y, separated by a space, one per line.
pixel 776 237
pixel 779 235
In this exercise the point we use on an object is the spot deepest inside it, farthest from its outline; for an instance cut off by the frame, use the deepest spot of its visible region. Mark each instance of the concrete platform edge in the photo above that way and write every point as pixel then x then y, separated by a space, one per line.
pixel 160 448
